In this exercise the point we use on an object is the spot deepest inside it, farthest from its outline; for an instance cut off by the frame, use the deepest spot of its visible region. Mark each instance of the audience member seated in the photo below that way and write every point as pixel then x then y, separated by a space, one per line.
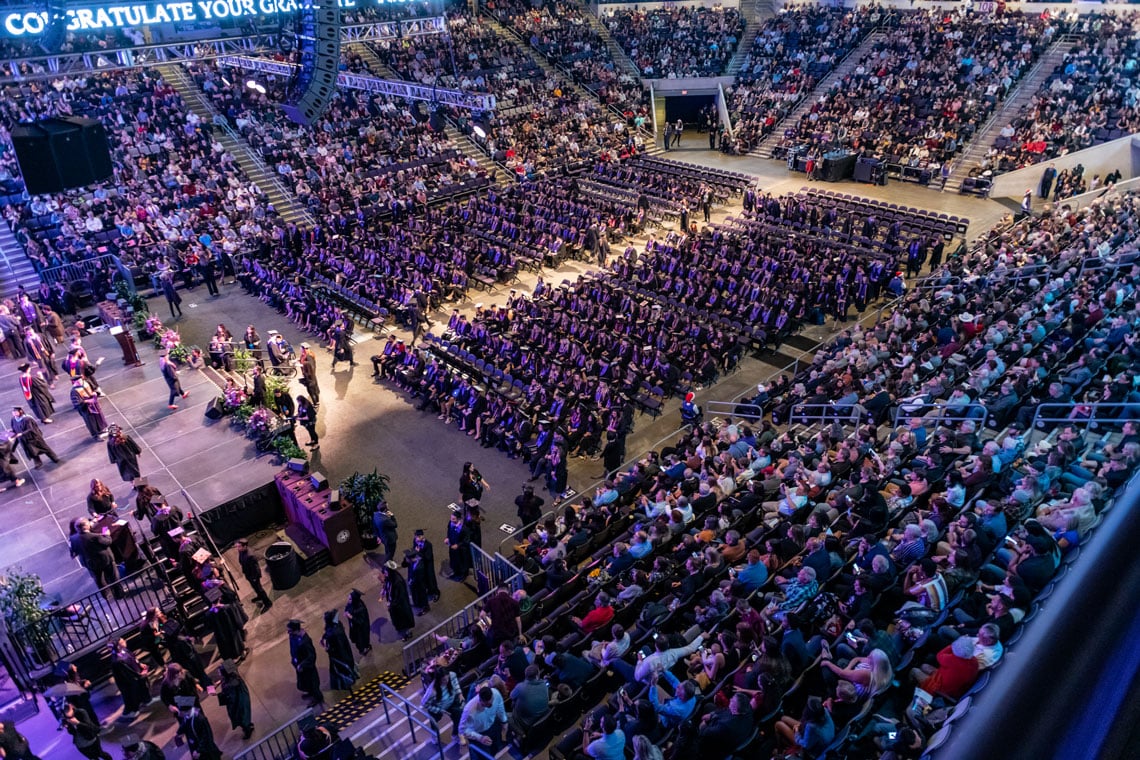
pixel 671 43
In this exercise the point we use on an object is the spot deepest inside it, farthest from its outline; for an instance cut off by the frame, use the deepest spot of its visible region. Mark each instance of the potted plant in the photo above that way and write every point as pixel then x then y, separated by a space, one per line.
pixel 364 491
pixel 180 353
pixel 272 383
pixel 122 294
pixel 261 422
pixel 287 449
pixel 21 604
pixel 241 414
pixel 138 324
pixel 243 361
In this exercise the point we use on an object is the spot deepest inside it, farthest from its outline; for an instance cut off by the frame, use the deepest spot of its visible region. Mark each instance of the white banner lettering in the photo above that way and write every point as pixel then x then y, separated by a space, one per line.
pixel 101 17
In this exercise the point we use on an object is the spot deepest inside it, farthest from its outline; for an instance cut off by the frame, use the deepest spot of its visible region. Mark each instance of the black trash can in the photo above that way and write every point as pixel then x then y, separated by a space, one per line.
pixel 283 565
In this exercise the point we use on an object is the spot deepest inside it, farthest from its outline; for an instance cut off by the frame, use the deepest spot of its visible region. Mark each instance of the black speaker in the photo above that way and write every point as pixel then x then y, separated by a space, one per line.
pixel 214 410
pixel 315 85
pixel 334 499
pixel 60 154
pixel 41 175
pixel 97 150
pixel 297 464
pixel 319 481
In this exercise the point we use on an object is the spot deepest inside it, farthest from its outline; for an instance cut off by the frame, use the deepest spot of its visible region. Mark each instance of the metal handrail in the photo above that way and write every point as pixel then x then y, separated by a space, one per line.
pixel 423 646
pixel 279 745
pixel 593 486
pixel 79 269
pixel 942 417
pixel 84 624
pixel 1095 263
pixel 495 569
pixel 427 722
pixel 1092 421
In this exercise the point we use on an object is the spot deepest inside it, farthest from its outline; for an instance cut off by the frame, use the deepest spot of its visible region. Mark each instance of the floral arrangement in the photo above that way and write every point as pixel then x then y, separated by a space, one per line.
pixel 240 415
pixel 169 339
pixel 234 397
pixel 260 422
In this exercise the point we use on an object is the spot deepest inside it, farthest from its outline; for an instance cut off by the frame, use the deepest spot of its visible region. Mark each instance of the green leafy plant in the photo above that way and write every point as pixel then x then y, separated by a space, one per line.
pixel 138 321
pixel 122 291
pixel 181 353
pixel 20 596
pixel 21 604
pixel 242 414
pixel 272 383
pixel 243 361
pixel 364 491
pixel 138 303
pixel 287 448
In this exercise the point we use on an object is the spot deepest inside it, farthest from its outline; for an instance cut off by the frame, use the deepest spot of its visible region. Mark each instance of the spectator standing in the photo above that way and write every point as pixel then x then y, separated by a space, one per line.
pixel 506 617
pixel 251 570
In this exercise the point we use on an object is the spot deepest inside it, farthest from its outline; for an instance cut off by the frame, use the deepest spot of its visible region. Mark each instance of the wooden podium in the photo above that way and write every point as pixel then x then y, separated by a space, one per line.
pixel 127 344
pixel 309 509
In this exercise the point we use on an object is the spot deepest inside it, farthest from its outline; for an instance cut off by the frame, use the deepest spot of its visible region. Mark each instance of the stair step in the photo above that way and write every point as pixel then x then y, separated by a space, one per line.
pixel 287 207
pixel 1023 92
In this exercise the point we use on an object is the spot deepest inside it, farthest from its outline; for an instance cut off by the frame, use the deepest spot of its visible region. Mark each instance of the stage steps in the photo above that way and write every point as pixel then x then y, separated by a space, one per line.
pixel 17 267
pixel 311 553
pixel 1023 92
pixel 284 202
pixel 766 146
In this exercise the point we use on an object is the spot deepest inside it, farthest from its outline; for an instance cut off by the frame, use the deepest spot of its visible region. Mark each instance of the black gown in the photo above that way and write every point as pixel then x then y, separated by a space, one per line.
pixel 199 736
pixel 342 667
pixel 42 401
pixel 417 584
pixel 399 603
pixel 460 557
pixel 125 455
pixel 133 686
pixel 428 553
pixel 235 697
pixel 359 625
pixel 305 662
pixel 227 621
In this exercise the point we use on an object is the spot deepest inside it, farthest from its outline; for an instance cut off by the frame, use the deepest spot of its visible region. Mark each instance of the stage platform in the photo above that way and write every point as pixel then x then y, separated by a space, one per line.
pixel 183 453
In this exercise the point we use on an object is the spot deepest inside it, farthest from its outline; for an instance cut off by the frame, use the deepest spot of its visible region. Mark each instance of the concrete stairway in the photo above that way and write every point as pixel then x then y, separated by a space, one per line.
pixel 756 13
pixel 764 148
pixel 471 149
pixel 624 63
pixel 16 269
pixel 1023 92
pixel 375 65
pixel 462 143
pixel 287 206
pixel 552 71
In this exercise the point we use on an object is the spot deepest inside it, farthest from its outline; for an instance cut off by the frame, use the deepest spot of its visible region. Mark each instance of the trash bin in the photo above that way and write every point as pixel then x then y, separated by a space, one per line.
pixel 283 565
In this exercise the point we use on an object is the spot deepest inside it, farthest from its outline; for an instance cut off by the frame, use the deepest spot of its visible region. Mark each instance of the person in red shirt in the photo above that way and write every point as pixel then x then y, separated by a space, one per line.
pixel 601 615
pixel 956 672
